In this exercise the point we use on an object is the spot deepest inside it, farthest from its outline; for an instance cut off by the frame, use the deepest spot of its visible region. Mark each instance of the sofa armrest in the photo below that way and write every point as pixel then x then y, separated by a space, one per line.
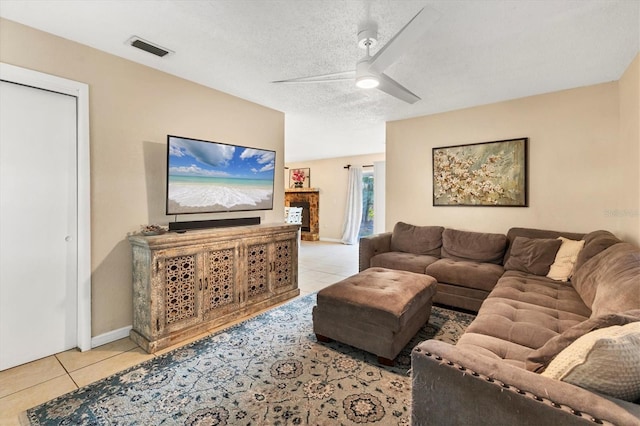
pixel 454 385
pixel 372 245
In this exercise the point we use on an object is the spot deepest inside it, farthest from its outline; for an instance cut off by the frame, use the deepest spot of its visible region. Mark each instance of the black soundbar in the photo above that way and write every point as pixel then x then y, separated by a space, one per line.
pixel 216 223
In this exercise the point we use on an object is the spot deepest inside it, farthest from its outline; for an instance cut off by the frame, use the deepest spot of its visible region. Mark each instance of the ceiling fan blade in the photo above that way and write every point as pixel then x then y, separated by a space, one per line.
pixel 324 78
pixel 404 39
pixel 393 88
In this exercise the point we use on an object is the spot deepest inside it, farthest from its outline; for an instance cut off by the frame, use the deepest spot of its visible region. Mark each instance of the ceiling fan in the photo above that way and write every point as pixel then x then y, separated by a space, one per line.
pixel 369 72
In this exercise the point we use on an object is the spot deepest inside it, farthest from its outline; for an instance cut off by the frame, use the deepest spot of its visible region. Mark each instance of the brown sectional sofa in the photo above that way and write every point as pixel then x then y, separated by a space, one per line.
pixel 494 374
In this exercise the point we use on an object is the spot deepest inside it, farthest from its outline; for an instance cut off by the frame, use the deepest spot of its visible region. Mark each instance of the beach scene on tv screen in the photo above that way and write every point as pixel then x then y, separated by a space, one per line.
pixel 215 177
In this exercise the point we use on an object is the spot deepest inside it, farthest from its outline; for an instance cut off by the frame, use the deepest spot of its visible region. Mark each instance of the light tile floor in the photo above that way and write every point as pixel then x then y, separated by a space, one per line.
pixel 319 265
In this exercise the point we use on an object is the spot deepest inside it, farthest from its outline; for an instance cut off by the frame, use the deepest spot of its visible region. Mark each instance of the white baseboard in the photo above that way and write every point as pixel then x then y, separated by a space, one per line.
pixel 330 240
pixel 110 336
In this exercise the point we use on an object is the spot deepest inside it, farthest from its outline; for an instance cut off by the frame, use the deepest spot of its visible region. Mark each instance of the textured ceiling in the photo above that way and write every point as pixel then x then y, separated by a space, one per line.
pixel 477 52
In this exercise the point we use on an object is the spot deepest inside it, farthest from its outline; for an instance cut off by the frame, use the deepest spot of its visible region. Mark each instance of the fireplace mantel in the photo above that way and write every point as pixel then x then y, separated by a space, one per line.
pixel 302 190
pixel 311 196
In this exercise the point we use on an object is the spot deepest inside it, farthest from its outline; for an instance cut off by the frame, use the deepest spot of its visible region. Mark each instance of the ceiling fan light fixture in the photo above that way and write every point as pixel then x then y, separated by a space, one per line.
pixel 367 82
pixel 365 79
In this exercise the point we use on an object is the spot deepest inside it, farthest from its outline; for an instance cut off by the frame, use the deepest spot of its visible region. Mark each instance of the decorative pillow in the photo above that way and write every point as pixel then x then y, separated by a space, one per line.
pixel 605 361
pixel 425 240
pixel 532 255
pixel 562 267
pixel 538 359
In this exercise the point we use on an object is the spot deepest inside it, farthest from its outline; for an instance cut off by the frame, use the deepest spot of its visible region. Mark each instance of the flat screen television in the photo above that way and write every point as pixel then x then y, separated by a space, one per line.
pixel 213 177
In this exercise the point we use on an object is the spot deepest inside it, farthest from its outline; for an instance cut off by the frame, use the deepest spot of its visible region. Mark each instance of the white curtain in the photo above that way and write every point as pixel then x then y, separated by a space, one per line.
pixel 379 188
pixel 353 211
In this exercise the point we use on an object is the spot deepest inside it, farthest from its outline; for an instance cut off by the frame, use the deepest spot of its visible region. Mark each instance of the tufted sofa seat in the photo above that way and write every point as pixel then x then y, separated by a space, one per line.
pixel 509 330
pixel 539 291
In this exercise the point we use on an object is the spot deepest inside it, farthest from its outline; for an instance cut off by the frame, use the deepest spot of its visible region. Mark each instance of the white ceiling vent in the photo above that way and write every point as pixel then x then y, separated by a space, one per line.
pixel 148 47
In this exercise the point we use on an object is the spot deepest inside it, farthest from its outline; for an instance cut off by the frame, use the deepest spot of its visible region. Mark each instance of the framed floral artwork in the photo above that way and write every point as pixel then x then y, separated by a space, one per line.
pixel 299 178
pixel 481 174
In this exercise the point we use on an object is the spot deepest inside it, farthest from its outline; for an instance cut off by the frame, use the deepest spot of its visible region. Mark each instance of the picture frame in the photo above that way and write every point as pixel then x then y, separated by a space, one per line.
pixel 300 178
pixel 486 174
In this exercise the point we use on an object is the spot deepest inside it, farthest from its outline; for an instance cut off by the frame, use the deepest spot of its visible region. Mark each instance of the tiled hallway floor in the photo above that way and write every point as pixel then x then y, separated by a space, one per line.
pixel 320 264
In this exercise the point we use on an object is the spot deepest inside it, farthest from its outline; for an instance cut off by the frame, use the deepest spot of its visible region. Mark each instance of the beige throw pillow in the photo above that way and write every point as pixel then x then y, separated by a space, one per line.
pixel 562 267
pixel 606 361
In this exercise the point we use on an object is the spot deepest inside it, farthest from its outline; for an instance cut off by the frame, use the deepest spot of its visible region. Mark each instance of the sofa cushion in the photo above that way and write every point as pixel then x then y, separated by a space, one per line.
pixel 605 360
pixel 538 359
pixel 522 323
pixel 594 243
pixel 475 246
pixel 532 255
pixel 423 240
pixel 483 276
pixel 496 348
pixel 610 281
pixel 562 267
pixel 540 291
pixel 402 261
pixel 537 233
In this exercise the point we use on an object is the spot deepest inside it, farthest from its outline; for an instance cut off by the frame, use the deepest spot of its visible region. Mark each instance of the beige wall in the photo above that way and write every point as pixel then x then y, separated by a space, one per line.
pixel 582 175
pixel 132 109
pixel 331 178
pixel 629 84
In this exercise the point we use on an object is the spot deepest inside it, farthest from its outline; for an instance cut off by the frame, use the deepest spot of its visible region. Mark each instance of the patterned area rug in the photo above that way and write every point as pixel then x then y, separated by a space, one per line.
pixel 269 370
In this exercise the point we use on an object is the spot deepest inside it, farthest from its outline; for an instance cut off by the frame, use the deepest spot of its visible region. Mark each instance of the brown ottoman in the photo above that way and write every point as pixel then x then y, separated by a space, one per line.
pixel 378 310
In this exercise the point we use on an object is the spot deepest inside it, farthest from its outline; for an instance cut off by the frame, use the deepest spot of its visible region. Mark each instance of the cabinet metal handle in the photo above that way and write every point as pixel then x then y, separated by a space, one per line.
pixel 157 324
pixel 206 283
pixel 200 284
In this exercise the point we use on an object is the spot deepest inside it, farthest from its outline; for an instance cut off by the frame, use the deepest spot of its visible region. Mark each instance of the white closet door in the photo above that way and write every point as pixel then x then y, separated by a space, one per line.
pixel 38 223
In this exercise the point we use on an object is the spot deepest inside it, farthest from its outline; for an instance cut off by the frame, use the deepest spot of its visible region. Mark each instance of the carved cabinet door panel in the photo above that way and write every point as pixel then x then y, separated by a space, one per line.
pixel 178 289
pixel 220 291
pixel 257 271
pixel 271 266
pixel 284 264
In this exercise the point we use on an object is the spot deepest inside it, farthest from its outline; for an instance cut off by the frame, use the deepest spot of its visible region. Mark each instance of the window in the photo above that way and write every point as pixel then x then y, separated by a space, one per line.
pixel 366 224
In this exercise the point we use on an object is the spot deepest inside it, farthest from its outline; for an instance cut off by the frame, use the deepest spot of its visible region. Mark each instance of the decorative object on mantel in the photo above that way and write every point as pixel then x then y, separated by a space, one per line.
pixel 152 230
pixel 481 174
pixel 300 178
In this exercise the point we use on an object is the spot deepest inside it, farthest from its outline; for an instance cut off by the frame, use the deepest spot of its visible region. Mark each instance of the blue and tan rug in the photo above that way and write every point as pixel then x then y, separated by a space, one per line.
pixel 269 370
